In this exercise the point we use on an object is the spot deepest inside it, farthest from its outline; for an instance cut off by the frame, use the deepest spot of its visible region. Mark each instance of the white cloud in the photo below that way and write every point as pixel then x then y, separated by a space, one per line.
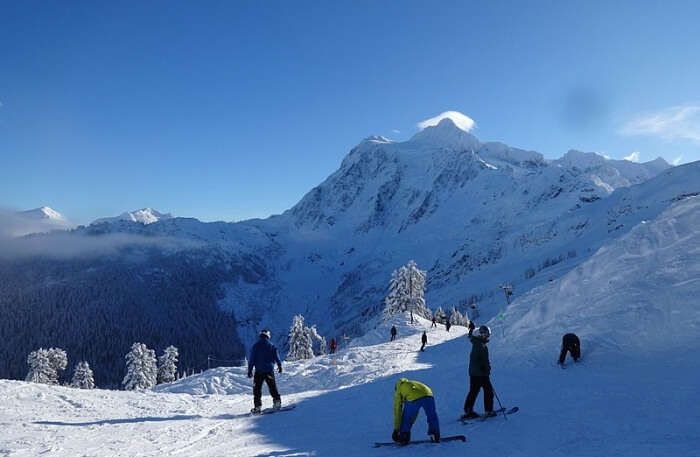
pixel 677 122
pixel 462 121
pixel 634 157
pixel 677 161
pixel 396 131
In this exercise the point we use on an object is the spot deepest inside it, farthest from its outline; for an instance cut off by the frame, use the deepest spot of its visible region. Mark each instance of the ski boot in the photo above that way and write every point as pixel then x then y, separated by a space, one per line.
pixel 488 414
pixel 469 415
pixel 256 410
pixel 277 404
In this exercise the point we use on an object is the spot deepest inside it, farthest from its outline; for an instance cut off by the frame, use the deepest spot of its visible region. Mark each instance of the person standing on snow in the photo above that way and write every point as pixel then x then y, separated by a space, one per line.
pixel 448 325
pixel 479 372
pixel 570 343
pixel 263 356
pixel 393 333
pixel 434 324
pixel 409 398
pixel 334 345
pixel 424 340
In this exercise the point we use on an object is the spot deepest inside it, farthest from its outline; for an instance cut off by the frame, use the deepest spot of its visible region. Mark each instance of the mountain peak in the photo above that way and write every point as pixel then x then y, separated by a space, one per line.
pixel 446 133
pixel 44 212
pixel 143 216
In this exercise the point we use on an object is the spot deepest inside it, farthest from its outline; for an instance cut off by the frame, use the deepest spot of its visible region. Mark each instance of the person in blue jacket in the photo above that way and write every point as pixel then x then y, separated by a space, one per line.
pixel 263 356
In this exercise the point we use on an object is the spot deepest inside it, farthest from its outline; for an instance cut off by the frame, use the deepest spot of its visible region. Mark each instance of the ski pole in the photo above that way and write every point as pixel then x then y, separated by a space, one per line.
pixel 500 405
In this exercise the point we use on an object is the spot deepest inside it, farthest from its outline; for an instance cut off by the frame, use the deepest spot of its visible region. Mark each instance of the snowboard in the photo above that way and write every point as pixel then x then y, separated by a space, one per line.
pixel 273 410
pixel 498 412
pixel 444 439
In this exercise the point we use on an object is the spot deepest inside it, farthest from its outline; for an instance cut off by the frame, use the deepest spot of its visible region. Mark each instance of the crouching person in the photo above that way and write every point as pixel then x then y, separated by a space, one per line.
pixel 409 398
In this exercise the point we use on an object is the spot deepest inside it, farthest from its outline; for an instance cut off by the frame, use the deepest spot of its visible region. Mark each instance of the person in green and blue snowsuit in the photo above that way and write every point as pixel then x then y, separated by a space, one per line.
pixel 409 398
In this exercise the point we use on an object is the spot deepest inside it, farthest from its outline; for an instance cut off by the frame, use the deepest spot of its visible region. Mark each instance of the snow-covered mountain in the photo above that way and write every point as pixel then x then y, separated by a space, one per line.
pixel 39 220
pixel 143 216
pixel 473 214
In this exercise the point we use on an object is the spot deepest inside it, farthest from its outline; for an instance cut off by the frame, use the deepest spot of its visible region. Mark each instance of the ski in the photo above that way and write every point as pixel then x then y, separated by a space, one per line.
pixel 444 439
pixel 273 410
pixel 498 412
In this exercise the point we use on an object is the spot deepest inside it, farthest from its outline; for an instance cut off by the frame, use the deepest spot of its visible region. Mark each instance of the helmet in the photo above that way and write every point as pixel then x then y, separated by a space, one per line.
pixel 265 333
pixel 484 331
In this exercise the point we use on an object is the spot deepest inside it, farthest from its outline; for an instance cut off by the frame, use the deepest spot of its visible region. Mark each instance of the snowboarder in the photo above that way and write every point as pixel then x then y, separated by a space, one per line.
pixel 479 372
pixel 393 333
pixel 409 398
pixel 570 343
pixel 333 345
pixel 263 356
pixel 424 340
pixel 448 325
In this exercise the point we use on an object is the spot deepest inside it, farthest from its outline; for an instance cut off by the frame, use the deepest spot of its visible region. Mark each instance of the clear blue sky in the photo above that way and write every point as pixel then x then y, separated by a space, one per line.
pixel 230 110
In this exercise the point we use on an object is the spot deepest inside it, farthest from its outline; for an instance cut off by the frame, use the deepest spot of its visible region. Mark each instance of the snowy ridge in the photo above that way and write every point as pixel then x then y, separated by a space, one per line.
pixel 143 216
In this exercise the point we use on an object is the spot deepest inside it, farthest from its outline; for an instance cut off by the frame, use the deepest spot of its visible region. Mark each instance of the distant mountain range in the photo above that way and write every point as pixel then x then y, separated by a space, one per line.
pixel 473 214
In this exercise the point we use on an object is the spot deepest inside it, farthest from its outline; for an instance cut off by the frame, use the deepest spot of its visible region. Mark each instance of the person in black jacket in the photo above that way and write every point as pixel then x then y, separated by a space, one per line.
pixel 570 343
pixel 263 356
pixel 424 340
pixel 393 333
pixel 479 372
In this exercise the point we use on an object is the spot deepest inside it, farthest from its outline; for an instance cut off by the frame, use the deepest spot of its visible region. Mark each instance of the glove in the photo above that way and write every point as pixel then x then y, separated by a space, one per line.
pixel 395 436
pixel 250 374
pixel 279 368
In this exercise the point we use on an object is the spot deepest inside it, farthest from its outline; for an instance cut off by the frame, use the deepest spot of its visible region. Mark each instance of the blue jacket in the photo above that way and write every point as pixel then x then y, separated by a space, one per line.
pixel 263 356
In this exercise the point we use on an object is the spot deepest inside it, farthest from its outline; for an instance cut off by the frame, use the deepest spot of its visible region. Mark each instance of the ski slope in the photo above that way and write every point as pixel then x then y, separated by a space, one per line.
pixel 635 392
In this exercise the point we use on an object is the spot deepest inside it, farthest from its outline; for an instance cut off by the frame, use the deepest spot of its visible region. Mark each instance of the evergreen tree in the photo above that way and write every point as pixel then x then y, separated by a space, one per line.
pixel 406 292
pixel 45 365
pixel 318 342
pixel 141 370
pixel 83 377
pixel 40 369
pixel 300 342
pixel 440 315
pixel 456 317
pixel 167 365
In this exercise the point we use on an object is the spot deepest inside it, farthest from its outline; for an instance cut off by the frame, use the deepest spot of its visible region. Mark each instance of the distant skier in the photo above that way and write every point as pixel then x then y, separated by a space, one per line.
pixel 263 356
pixel 409 398
pixel 424 340
pixel 448 325
pixel 570 343
pixel 434 324
pixel 334 345
pixel 393 333
pixel 479 372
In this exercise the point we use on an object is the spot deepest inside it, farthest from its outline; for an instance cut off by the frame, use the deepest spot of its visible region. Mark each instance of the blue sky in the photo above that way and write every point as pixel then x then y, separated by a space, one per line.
pixel 231 110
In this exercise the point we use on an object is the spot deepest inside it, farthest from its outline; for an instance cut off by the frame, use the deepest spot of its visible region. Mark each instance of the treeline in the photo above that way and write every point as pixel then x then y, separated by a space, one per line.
pixel 96 309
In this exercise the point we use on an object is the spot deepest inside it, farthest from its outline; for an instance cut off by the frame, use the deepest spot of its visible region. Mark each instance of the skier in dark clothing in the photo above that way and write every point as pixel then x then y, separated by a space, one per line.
pixel 424 340
pixel 479 372
pixel 434 324
pixel 393 333
pixel 570 343
pixel 448 325
pixel 333 345
pixel 263 356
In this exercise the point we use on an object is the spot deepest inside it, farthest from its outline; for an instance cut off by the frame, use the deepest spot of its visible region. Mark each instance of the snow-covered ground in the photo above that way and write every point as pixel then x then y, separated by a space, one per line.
pixel 635 392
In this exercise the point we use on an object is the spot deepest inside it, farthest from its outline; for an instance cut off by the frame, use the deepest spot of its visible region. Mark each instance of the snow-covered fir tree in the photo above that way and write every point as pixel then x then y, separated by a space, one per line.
pixel 318 343
pixel 406 292
pixel 45 365
pixel 167 365
pixel 141 369
pixel 440 315
pixel 300 342
pixel 83 377
pixel 456 318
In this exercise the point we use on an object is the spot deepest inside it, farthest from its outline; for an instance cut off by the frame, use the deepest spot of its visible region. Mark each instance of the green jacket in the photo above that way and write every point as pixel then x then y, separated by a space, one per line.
pixel 406 390
pixel 479 364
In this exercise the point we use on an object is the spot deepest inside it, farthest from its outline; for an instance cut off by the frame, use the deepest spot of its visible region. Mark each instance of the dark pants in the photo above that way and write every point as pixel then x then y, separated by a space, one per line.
pixel 476 383
pixel 570 343
pixel 422 346
pixel 393 335
pixel 269 378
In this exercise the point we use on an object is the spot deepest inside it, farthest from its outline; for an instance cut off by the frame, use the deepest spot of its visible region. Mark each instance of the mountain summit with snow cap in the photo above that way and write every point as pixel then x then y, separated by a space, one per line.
pixel 143 216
